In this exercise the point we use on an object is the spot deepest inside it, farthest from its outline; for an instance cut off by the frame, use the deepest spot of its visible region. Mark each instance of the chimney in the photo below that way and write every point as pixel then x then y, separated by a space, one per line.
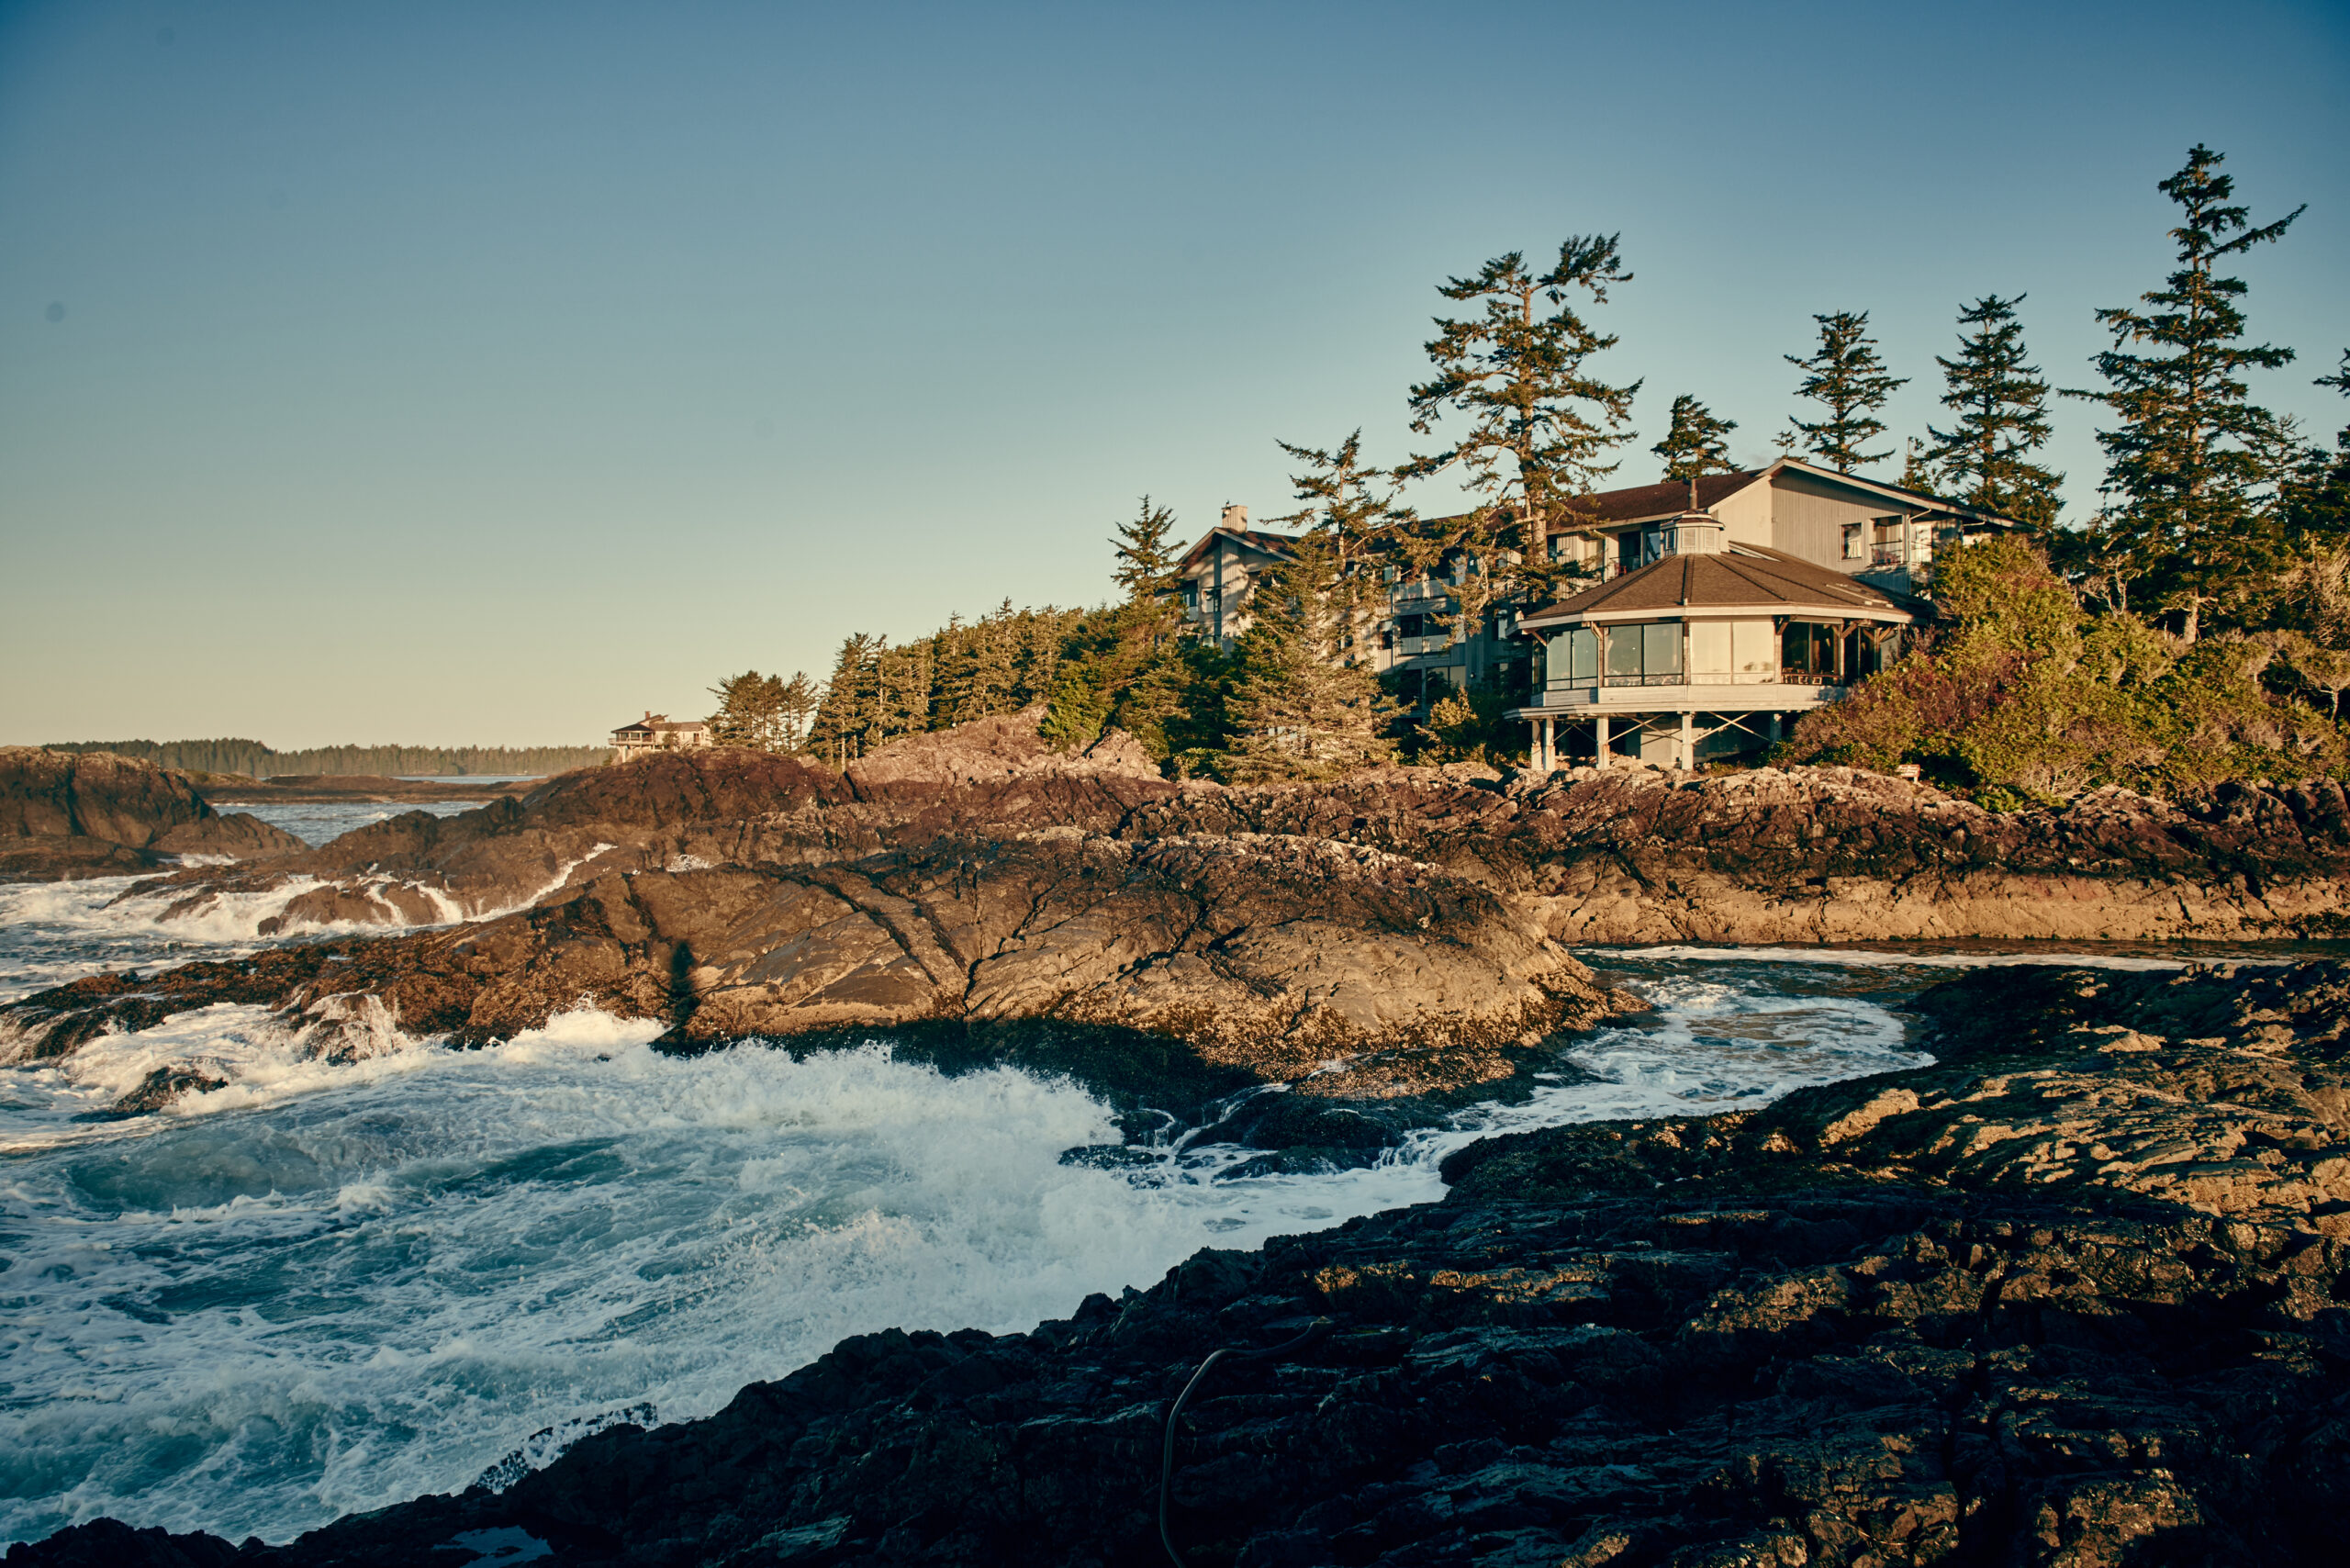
pixel 648 715
pixel 1236 517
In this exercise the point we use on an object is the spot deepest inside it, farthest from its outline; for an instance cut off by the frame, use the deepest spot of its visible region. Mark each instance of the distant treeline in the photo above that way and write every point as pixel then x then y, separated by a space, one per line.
pixel 258 761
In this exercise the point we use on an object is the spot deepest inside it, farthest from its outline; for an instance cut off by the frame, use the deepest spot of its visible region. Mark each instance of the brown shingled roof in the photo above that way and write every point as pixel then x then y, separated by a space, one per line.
pixel 1748 576
pixel 1668 499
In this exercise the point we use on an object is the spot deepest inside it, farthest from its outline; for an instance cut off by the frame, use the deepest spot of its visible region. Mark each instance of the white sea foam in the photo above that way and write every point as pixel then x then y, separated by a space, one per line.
pixel 329 1287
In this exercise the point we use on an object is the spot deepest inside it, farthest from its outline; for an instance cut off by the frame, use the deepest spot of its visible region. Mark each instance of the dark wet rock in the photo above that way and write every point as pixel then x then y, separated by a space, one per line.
pixel 2074 1295
pixel 163 1086
pixel 65 815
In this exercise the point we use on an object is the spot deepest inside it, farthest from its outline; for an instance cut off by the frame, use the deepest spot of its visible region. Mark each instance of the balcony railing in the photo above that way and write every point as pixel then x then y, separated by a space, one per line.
pixel 1885 557
pixel 1707 678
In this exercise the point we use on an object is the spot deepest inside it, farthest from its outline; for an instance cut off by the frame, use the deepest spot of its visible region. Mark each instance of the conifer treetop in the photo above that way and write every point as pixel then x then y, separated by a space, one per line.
pixel 1846 376
pixel 1985 458
pixel 1698 444
pixel 2190 455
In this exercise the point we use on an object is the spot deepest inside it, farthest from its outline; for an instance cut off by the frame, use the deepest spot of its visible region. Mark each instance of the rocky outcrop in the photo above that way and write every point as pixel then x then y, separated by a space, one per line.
pixel 1614 856
pixel 688 809
pixel 1280 957
pixel 2072 1296
pixel 1813 855
pixel 68 814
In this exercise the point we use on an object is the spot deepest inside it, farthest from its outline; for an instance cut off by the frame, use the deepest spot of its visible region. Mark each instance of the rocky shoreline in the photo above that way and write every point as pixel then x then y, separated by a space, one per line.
pixel 2073 1294
pixel 1411 927
pixel 66 815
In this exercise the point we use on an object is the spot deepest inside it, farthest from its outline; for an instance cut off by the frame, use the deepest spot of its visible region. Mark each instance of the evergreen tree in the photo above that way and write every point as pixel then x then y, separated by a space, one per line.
pixel 1295 711
pixel 981 669
pixel 2189 463
pixel 1846 376
pixel 844 719
pixel 1539 429
pixel 1356 511
pixel 1986 458
pixel 1146 562
pixel 750 711
pixel 1698 444
pixel 796 706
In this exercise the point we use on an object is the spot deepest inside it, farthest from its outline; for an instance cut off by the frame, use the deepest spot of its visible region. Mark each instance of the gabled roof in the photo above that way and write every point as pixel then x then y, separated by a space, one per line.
pixel 1747 576
pixel 1669 498
pixel 1247 538
pixel 657 722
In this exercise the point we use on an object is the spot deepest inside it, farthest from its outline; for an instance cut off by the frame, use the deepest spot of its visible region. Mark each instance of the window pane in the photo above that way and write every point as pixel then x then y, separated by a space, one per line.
pixel 1709 649
pixel 1795 648
pixel 1660 648
pixel 1583 655
pixel 1623 650
pixel 1751 642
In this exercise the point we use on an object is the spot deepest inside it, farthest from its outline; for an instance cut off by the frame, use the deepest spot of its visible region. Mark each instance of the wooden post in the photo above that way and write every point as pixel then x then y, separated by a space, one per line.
pixel 1550 746
pixel 1688 746
pixel 1600 747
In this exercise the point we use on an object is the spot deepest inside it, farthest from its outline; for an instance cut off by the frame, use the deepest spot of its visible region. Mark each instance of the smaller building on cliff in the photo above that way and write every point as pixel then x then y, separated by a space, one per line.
pixel 658 732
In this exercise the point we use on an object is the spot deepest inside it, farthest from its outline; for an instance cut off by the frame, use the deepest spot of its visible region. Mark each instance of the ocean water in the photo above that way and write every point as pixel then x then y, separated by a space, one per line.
pixel 330 1287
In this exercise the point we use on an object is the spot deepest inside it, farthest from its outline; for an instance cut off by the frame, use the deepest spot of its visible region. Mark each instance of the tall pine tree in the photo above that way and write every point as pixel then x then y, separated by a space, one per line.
pixel 1698 444
pixel 1296 712
pixel 1355 509
pixel 2191 457
pixel 1537 428
pixel 1986 457
pixel 1146 567
pixel 1846 376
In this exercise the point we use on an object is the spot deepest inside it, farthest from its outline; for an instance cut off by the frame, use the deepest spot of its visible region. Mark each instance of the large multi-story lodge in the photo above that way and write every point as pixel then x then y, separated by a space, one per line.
pixel 1714 614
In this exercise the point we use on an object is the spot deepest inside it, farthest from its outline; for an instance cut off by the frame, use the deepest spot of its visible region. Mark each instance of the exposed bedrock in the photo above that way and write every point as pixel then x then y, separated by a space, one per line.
pixel 682 810
pixel 1624 855
pixel 1809 855
pixel 1355 973
pixel 2075 1294
pixel 66 815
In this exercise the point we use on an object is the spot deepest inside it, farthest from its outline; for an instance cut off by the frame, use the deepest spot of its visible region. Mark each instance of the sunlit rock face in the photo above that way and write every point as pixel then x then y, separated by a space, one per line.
pixel 65 815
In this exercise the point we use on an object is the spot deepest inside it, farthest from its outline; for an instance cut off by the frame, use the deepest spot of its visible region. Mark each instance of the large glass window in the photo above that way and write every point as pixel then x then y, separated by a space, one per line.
pixel 1644 654
pixel 1753 649
pixel 1809 649
pixel 1574 656
pixel 1623 653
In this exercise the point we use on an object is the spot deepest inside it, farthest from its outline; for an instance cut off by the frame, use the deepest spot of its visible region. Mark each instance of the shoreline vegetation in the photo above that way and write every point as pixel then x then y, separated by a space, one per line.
pixel 2193 629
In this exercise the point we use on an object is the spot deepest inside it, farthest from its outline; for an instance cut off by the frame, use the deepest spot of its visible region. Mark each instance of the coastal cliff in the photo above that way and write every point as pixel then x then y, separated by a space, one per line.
pixel 65 815
pixel 2070 1295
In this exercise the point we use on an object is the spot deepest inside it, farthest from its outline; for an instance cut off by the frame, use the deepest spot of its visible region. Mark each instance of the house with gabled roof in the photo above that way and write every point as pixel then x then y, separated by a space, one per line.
pixel 1812 577
pixel 1216 576
pixel 658 732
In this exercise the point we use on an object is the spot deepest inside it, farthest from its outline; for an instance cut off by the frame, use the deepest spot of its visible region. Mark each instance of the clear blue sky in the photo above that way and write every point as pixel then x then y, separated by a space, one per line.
pixel 490 372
